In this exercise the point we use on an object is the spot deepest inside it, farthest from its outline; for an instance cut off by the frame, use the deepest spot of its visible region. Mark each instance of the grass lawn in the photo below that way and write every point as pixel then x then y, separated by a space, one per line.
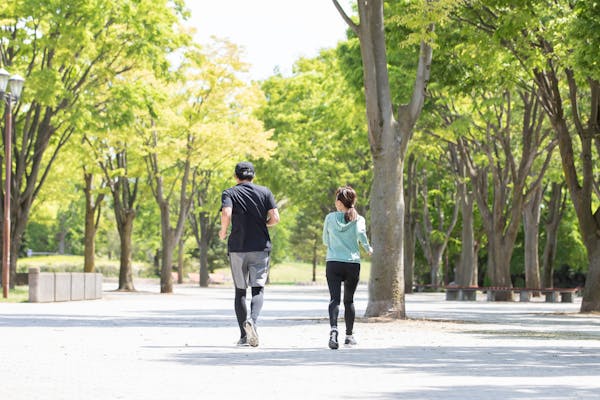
pixel 67 263
pixel 19 294
pixel 298 273
pixel 285 273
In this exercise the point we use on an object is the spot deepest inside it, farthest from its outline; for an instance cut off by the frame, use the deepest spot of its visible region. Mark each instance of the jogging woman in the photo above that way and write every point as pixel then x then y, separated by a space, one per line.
pixel 343 231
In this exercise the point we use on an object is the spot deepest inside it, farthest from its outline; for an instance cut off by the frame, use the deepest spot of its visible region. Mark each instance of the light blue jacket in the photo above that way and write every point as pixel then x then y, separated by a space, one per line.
pixel 342 238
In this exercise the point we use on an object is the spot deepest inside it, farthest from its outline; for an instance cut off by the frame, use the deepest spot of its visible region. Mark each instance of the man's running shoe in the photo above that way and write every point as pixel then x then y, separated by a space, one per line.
pixel 333 339
pixel 243 342
pixel 350 341
pixel 251 335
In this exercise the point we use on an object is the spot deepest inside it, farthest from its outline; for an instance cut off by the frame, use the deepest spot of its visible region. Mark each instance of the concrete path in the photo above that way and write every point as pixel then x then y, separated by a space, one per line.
pixel 182 346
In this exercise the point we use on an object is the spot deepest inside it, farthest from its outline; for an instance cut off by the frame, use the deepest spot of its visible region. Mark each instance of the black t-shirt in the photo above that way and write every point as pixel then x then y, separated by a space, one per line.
pixel 250 205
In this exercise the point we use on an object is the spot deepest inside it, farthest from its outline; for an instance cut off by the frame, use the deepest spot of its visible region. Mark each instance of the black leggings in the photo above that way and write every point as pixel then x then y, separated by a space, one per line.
pixel 336 273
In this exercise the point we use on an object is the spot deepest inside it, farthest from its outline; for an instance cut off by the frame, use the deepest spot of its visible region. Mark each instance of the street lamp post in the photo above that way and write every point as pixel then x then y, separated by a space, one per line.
pixel 15 85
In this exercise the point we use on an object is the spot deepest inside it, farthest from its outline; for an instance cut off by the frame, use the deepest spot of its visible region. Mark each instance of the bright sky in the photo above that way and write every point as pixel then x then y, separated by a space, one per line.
pixel 273 33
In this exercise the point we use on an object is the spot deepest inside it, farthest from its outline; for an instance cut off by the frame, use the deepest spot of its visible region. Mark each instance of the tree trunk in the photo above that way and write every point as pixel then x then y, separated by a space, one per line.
pixel 531 224
pixel 436 265
pixel 180 262
pixel 410 225
pixel 125 234
pixel 555 212
pixel 168 247
pixel 89 250
pixel 466 271
pixel 15 244
pixel 591 292
pixel 499 256
pixel 62 235
pixel 386 286
pixel 581 189
pixel 203 244
pixel 92 217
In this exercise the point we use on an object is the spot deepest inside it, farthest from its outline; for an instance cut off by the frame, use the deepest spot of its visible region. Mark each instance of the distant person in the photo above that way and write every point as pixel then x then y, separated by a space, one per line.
pixel 343 231
pixel 250 209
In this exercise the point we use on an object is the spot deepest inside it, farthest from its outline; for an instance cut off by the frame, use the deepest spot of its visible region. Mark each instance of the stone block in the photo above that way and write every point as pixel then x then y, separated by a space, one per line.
pixel 98 286
pixel 467 294
pixel 524 295
pixel 41 286
pixel 451 294
pixel 551 296
pixel 77 286
pixel 62 286
pixel 566 297
pixel 89 285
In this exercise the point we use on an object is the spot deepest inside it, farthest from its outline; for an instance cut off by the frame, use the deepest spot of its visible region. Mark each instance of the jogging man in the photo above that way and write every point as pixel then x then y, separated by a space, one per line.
pixel 250 209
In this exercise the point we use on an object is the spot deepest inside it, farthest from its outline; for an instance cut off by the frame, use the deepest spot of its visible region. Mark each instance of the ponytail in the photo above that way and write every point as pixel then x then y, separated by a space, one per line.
pixel 347 196
pixel 351 214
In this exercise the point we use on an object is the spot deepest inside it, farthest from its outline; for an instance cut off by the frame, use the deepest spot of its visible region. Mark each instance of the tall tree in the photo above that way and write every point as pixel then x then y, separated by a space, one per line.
pixel 435 232
pixel 531 224
pixel 65 49
pixel 217 126
pixel 389 137
pixel 410 223
pixel 183 188
pixel 555 211
pixel 117 147
pixel 124 190
pixel 466 273
pixel 513 174
pixel 93 212
pixel 204 218
pixel 554 42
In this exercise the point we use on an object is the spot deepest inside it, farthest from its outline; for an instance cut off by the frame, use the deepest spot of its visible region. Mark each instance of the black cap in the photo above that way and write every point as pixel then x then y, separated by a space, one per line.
pixel 244 170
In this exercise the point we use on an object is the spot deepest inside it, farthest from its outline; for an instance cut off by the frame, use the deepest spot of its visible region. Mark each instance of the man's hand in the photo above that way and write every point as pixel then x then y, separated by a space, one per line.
pixel 222 235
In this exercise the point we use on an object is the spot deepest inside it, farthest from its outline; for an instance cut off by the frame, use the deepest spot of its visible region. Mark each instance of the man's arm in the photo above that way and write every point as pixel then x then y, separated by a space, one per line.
pixel 225 221
pixel 273 217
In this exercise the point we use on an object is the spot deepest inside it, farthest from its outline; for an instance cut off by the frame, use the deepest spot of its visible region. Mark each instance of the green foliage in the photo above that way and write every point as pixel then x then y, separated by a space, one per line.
pixel 570 250
pixel 38 238
pixel 321 144
pixel 101 69
pixel 20 294
pixel 585 32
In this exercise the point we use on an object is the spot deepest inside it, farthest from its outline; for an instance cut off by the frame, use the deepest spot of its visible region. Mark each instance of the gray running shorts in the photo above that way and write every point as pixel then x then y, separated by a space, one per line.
pixel 249 269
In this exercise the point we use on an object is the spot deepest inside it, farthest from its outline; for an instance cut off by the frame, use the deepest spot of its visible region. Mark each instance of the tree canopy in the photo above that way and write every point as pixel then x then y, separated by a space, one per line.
pixel 125 117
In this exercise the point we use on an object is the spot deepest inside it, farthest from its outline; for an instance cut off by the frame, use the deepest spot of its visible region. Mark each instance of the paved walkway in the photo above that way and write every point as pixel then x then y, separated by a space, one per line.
pixel 182 346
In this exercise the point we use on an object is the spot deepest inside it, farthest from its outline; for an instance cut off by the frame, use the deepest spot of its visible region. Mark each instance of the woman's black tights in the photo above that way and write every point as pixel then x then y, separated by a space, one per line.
pixel 336 273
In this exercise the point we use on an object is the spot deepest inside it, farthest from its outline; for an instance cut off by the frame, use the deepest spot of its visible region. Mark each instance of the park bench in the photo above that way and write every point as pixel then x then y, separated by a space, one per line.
pixel 552 295
pixel 566 294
